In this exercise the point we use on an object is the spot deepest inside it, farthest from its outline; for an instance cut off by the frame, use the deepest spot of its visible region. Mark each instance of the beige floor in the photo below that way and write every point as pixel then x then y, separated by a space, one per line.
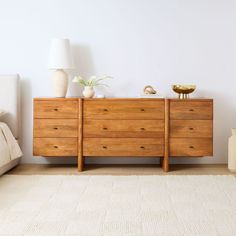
pixel 38 169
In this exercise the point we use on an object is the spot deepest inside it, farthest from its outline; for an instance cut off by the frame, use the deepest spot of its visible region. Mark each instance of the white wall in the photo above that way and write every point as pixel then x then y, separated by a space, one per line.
pixel 139 42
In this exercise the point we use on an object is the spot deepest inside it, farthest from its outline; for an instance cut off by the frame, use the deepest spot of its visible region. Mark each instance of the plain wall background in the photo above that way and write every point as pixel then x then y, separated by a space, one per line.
pixel 138 42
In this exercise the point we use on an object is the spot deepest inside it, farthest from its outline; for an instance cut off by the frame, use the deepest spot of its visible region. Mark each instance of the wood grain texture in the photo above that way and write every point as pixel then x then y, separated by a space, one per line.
pixel 55 147
pixel 123 147
pixel 55 128
pixel 56 109
pixel 191 147
pixel 165 161
pixel 137 109
pixel 123 128
pixel 193 109
pixel 80 136
pixel 191 128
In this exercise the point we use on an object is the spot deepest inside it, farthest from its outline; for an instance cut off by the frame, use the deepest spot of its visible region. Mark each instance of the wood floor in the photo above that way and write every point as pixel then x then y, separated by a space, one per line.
pixel 39 169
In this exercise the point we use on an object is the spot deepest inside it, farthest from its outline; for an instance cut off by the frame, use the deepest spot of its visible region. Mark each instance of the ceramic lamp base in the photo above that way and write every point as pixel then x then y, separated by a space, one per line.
pixel 59 83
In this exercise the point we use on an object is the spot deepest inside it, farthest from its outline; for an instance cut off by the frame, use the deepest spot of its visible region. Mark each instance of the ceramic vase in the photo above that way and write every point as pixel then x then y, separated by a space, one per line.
pixel 88 92
pixel 232 151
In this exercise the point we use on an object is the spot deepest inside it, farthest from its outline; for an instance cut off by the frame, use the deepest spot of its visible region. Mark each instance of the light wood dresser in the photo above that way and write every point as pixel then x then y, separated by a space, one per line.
pixel 122 127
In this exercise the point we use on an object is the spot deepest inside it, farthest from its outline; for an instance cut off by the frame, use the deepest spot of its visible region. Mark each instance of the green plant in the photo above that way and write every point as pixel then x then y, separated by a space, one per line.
pixel 92 81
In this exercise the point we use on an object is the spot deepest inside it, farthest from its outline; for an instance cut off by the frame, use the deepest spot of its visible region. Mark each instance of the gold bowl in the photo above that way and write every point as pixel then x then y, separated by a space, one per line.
pixel 183 90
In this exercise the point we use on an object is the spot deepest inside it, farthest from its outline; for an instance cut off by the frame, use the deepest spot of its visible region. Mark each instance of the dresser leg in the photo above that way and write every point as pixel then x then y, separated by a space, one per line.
pixel 165 165
pixel 80 163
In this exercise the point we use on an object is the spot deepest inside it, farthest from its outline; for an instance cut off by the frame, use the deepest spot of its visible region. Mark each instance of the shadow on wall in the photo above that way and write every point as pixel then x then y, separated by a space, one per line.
pixel 84 66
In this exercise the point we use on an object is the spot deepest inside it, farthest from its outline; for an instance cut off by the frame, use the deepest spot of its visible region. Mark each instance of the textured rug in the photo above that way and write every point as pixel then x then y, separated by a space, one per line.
pixel 117 205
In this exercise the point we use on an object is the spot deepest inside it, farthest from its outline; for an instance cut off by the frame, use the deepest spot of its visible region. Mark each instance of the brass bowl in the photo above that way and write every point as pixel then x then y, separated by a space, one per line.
pixel 183 90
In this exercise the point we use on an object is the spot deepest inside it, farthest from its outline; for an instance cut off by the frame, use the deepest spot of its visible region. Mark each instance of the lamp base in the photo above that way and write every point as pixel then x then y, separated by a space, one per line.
pixel 59 83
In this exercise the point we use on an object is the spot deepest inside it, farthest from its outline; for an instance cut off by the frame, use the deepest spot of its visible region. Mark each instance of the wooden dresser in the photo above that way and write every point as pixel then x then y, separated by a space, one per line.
pixel 122 127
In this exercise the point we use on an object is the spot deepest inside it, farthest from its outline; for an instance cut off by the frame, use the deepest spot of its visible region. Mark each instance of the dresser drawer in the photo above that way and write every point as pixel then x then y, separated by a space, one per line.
pixel 184 110
pixel 123 147
pixel 191 147
pixel 123 128
pixel 191 128
pixel 55 146
pixel 50 128
pixel 124 109
pixel 55 109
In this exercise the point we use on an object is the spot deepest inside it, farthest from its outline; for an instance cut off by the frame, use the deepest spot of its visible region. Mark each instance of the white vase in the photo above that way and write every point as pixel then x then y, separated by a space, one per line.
pixel 88 92
pixel 59 83
pixel 232 151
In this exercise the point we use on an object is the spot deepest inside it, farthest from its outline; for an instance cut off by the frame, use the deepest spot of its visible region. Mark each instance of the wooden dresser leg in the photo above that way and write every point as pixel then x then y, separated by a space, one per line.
pixel 165 164
pixel 80 163
pixel 80 135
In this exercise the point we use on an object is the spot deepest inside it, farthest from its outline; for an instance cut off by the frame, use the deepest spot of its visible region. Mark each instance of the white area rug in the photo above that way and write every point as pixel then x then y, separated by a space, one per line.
pixel 117 205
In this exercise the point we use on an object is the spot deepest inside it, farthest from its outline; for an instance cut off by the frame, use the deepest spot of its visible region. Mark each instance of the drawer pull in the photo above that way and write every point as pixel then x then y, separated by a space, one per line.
pixel 192 147
pixel 55 128
pixel 142 128
pixel 142 147
pixel 104 128
pixel 104 147
pixel 55 109
pixel 105 109
pixel 142 109
pixel 55 146
pixel 191 109
pixel 190 128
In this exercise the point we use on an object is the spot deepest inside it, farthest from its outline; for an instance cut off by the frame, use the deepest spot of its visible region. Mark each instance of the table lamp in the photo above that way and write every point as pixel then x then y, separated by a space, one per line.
pixel 60 59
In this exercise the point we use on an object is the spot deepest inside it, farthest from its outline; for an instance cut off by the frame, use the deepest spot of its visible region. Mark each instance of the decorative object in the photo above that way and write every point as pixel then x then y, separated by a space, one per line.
pixel 183 90
pixel 149 90
pixel 89 84
pixel 232 151
pixel 60 59
pixel 88 92
pixel 122 127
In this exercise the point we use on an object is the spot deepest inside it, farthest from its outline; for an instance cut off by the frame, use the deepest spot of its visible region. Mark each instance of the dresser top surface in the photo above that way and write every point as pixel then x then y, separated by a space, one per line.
pixel 119 98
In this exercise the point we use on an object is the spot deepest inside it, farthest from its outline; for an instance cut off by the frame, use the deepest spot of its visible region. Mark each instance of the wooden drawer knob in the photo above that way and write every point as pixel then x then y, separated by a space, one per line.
pixel 190 128
pixel 55 146
pixel 142 147
pixel 104 147
pixel 104 128
pixel 55 128
pixel 142 128
pixel 142 109
pixel 192 147
pixel 55 109
pixel 105 109
pixel 191 109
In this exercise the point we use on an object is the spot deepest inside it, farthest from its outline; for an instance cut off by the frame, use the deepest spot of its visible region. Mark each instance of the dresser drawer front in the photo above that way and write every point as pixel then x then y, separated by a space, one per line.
pixel 55 146
pixel 55 109
pixel 123 128
pixel 191 147
pixel 53 128
pixel 124 109
pixel 191 128
pixel 123 147
pixel 184 110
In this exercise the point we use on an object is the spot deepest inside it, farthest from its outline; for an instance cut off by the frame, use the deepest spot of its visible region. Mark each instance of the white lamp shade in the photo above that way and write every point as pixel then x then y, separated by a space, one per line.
pixel 60 55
